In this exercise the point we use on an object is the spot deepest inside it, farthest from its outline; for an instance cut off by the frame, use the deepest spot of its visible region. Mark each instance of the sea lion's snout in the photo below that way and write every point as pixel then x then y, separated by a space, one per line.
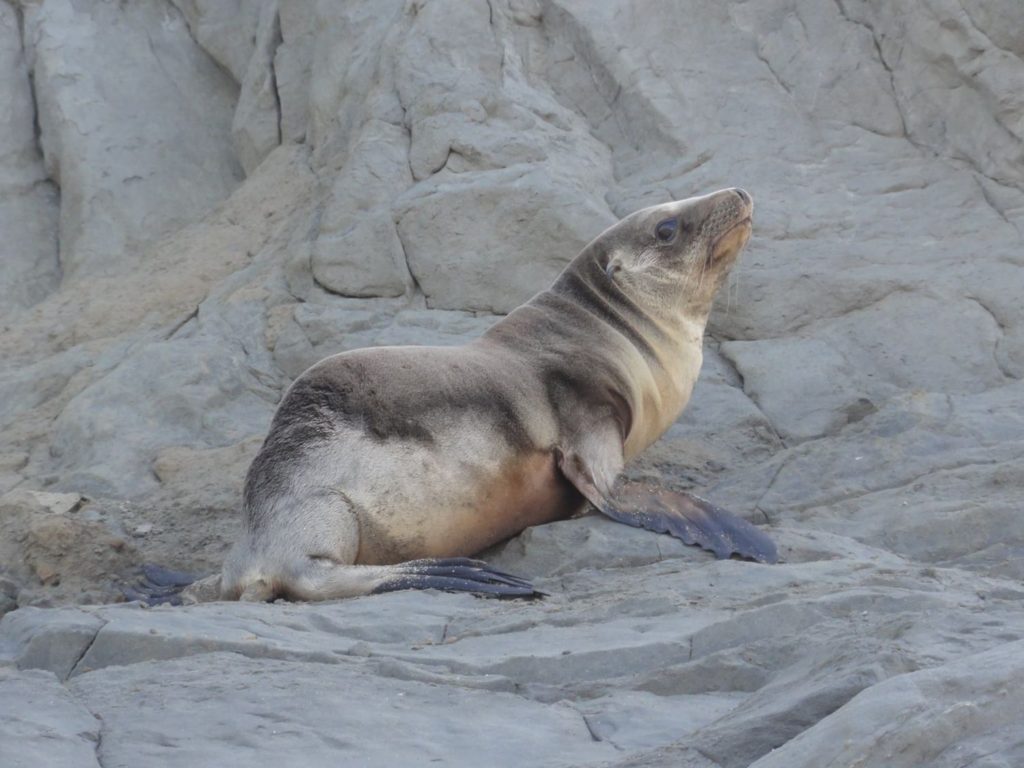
pixel 728 208
pixel 730 223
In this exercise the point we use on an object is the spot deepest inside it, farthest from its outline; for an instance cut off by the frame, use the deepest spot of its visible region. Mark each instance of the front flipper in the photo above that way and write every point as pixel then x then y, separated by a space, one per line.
pixel 685 516
pixel 456 574
pixel 689 518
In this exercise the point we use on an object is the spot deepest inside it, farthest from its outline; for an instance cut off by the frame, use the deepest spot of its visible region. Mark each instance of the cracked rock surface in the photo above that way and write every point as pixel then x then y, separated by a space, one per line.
pixel 200 198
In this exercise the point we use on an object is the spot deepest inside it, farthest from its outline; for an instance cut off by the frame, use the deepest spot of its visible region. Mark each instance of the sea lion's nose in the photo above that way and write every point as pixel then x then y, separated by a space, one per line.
pixel 742 194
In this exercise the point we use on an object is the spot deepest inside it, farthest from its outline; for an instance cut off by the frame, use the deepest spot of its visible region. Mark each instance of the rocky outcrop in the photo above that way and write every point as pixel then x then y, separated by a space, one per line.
pixel 29 202
pixel 134 157
pixel 645 653
pixel 199 199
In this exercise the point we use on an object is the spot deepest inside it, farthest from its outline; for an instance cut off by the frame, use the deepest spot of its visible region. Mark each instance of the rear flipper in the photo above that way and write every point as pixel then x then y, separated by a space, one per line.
pixel 158 586
pixel 324 580
pixel 690 519
pixel 456 574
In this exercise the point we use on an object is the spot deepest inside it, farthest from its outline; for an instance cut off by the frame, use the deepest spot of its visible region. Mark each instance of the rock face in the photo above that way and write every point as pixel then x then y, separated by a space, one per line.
pixel 134 159
pixel 199 199
pixel 29 267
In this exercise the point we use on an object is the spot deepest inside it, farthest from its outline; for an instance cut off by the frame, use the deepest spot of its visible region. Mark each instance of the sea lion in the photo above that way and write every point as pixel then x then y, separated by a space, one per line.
pixel 385 468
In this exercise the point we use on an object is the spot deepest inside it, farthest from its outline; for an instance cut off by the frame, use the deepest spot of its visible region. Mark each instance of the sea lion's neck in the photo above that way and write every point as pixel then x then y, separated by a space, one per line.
pixel 665 339
pixel 586 324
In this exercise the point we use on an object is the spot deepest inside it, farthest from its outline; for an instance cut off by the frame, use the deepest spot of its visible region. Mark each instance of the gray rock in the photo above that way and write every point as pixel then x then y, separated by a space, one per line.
pixel 364 259
pixel 481 185
pixel 913 436
pixel 632 720
pixel 358 251
pixel 225 403
pixel 176 716
pixel 135 159
pixel 592 541
pixel 29 268
pixel 256 126
pixel 734 659
pixel 474 226
pixel 303 334
pixel 956 714
pixel 981 85
pixel 946 344
pixel 34 638
pixel 814 394
pixel 225 30
pixel 48 726
pixel 292 67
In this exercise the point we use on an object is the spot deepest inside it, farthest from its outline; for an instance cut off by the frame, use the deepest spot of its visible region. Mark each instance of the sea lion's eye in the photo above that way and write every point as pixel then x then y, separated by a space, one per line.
pixel 666 229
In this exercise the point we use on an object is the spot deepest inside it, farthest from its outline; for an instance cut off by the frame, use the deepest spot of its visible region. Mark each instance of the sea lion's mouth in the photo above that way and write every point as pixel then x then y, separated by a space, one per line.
pixel 726 238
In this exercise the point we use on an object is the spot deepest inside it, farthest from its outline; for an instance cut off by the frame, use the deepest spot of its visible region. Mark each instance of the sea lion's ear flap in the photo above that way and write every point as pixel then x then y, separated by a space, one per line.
pixel 613 267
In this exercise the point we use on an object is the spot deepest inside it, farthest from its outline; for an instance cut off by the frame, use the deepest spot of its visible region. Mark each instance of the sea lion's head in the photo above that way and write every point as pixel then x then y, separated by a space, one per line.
pixel 672 258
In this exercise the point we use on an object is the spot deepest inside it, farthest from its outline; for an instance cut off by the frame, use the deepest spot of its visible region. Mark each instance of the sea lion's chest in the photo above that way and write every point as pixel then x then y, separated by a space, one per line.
pixel 661 399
